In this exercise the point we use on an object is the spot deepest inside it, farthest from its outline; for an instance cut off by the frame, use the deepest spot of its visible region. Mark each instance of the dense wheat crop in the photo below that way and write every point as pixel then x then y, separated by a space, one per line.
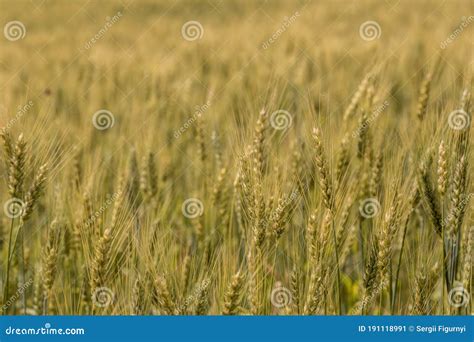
pixel 236 157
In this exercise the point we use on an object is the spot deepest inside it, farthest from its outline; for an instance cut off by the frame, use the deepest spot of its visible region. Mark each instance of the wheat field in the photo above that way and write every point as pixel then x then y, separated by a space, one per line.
pixel 236 157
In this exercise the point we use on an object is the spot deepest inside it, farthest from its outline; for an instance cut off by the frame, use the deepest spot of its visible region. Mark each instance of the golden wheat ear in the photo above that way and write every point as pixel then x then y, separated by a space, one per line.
pixel 34 193
pixel 233 295
pixel 321 162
